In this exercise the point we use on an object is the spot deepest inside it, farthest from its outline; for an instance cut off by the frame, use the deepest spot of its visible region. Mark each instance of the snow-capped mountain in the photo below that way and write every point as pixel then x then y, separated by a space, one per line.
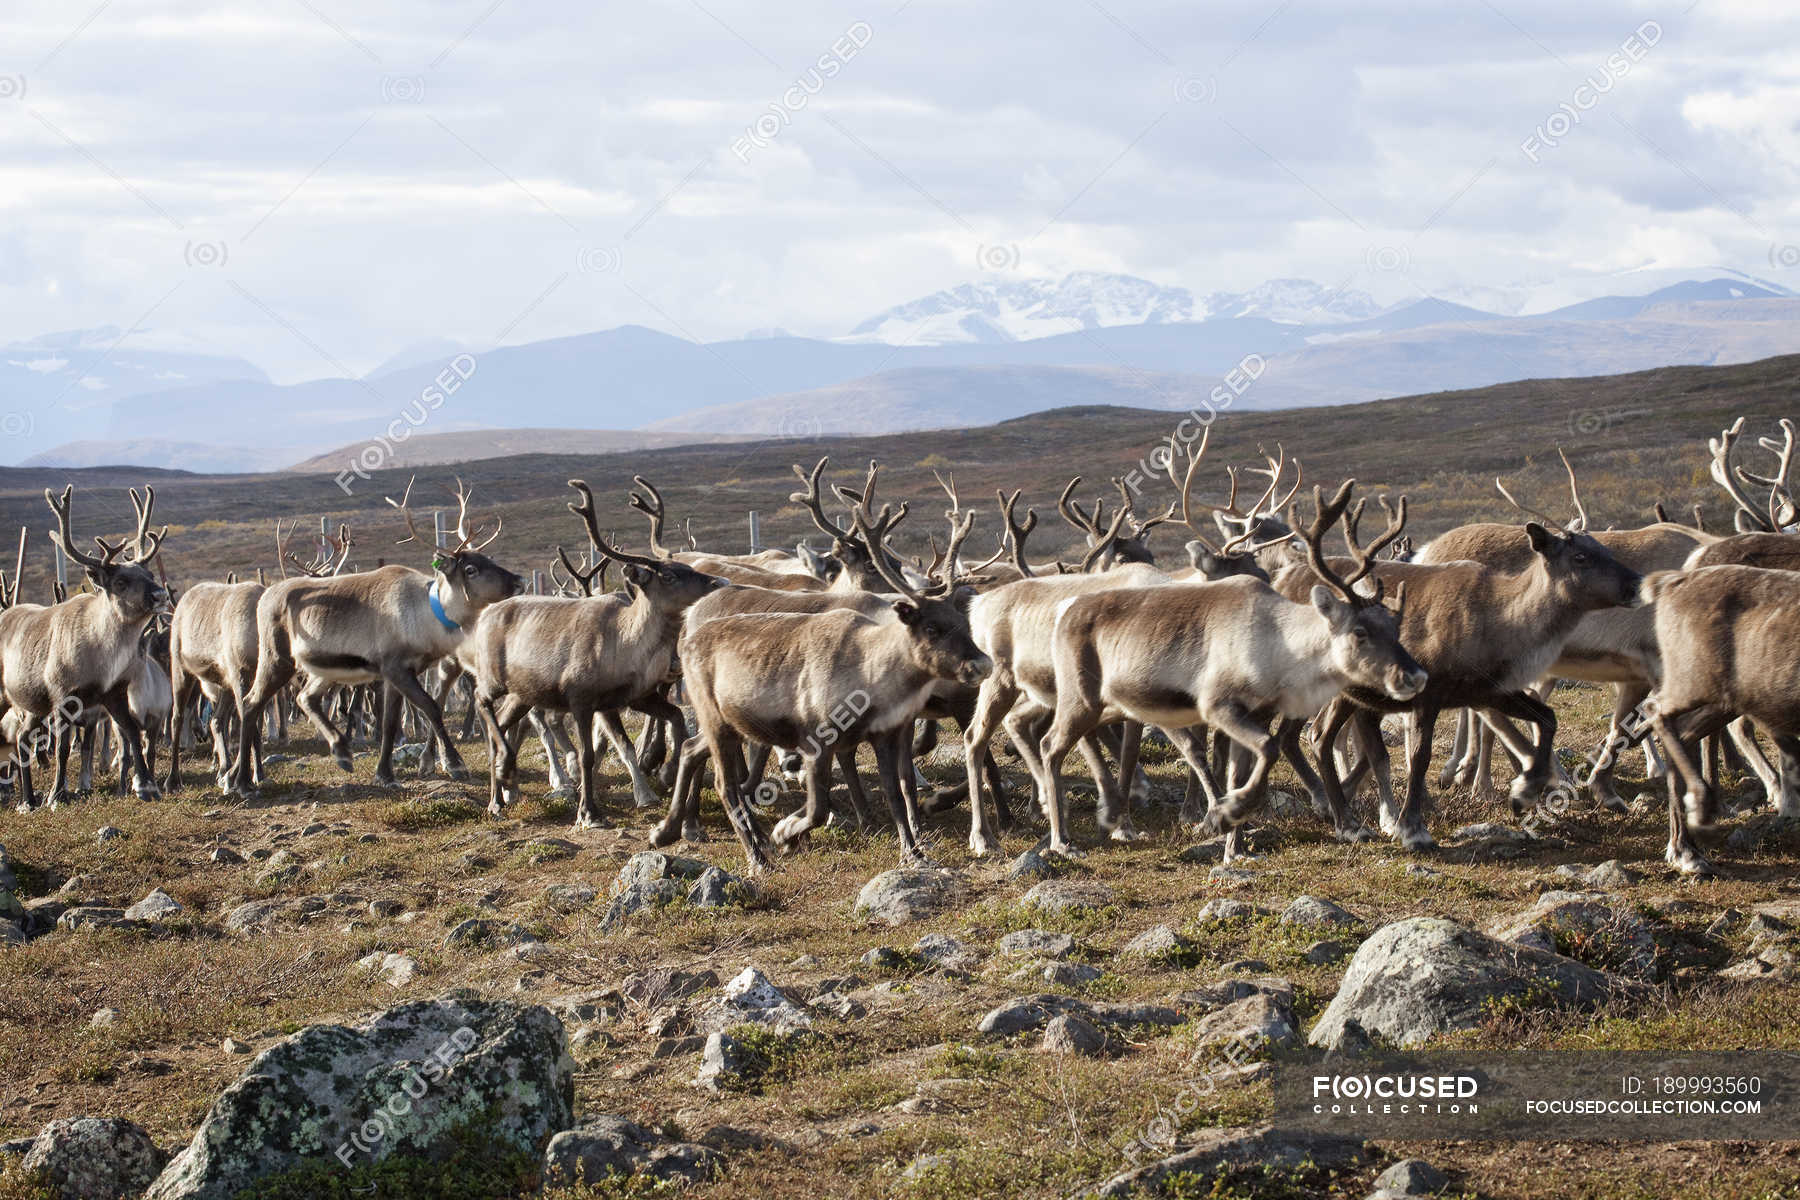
pixel 1022 310
pixel 1292 302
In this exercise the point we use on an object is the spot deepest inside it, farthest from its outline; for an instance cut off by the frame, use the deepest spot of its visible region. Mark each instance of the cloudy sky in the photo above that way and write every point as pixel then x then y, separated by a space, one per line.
pixel 316 184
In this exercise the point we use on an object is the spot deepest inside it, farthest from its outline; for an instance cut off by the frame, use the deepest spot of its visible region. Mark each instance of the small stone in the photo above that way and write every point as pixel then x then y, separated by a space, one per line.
pixel 942 950
pixel 105 1018
pixel 725 1062
pixel 225 856
pixel 569 897
pixel 485 931
pixel 1315 913
pixel 1421 871
pixel 909 894
pixel 1724 923
pixel 886 958
pixel 157 906
pixel 1158 941
pixel 806 962
pixel 1038 943
pixel 1071 1034
pixel 1068 895
pixel 924 1165
pixel 1411 1177
pixel 257 914
pixel 107 833
pixel 1232 876
pixel 1323 954
pixel 386 908
pixel 1030 865
pixel 232 1046
pixel 718 888
pixel 1071 974
pixel 93 1157
pixel 1226 910
pixel 1205 852
pixel 398 970
pixel 1610 876
pixel 92 916
pixel 315 829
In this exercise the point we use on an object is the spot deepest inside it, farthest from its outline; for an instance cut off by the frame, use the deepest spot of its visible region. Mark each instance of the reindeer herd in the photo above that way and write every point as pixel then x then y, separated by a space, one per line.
pixel 1267 646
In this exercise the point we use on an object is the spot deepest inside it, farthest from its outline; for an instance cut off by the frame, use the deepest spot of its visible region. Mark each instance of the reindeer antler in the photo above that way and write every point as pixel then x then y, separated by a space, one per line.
pixel 1325 514
pixel 1781 507
pixel 64 538
pixel 580 578
pixel 585 510
pixel 652 508
pixel 1017 531
pixel 1728 477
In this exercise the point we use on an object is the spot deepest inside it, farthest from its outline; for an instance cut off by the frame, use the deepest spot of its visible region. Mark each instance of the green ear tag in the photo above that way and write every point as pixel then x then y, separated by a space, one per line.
pixel 439 563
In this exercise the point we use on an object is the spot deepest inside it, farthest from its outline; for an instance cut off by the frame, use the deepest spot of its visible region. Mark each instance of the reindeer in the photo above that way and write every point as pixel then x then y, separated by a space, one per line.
pixel 588 657
pixel 1484 636
pixel 385 626
pixel 58 662
pixel 212 652
pixel 1614 645
pixel 807 681
pixel 1730 649
pixel 1231 655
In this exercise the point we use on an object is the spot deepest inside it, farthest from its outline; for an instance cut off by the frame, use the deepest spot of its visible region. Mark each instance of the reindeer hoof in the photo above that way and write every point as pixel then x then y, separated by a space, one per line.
pixel 1355 833
pixel 588 821
pixel 146 790
pixel 663 835
pixel 645 800
pixel 1129 835
pixel 789 827
pixel 342 759
pixel 691 831
pixel 980 847
pixel 457 772
pixel 1688 861
pixel 1416 839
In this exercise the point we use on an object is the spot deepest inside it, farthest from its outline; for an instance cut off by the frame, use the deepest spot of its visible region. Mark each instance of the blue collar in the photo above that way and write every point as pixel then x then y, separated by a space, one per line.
pixel 437 609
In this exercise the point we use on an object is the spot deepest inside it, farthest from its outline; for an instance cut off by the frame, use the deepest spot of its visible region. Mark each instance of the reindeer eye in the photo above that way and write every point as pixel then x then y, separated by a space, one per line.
pixel 1362 635
pixel 469 570
pixel 1581 559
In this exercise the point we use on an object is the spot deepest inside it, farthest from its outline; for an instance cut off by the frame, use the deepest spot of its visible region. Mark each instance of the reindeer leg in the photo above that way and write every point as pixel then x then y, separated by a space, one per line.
pixel 416 695
pixel 845 752
pixel 1114 809
pixel 1246 797
pixel 993 701
pixel 684 808
pixel 728 767
pixel 1692 803
pixel 1458 761
pixel 642 793
pixel 1788 805
pixel 791 831
pixel 587 809
pixel 1743 738
pixel 1131 738
pixel 1626 698
pixel 1350 830
pixel 1190 742
pixel 1411 826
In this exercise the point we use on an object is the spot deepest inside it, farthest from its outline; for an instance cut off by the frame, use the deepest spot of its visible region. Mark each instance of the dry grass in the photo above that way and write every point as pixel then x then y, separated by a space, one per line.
pixel 1025 1125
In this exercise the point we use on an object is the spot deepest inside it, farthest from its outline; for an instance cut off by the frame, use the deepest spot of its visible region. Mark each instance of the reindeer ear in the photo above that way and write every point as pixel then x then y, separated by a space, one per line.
pixel 637 574
pixel 1541 539
pixel 906 611
pixel 1330 607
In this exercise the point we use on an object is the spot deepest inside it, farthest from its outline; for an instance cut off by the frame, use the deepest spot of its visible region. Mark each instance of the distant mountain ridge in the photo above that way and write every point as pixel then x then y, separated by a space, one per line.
pixel 1093 339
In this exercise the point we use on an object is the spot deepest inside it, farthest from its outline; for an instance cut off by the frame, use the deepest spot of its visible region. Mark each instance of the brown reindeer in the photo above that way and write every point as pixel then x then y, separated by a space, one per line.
pixel 61 661
pixel 382 626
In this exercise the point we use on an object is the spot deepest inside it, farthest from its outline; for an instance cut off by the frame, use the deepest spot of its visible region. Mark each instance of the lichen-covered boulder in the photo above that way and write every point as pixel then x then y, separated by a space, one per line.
pixel 1425 975
pixel 93 1158
pixel 408 1081
pixel 907 894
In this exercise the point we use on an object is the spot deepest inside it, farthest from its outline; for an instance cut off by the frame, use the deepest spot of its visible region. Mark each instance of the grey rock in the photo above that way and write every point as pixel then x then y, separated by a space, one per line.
pixel 725 1063
pixel 885 958
pixel 104 1018
pixel 107 833
pixel 1232 876
pixel 10 908
pixel 749 998
pixel 1421 871
pixel 1031 865
pixel 1205 852
pixel 1314 913
pixel 41 915
pixel 604 1145
pixel 569 897
pixel 1033 1012
pixel 225 856
pixel 924 1165
pixel 1073 1034
pixel 661 985
pixel 314 829
pixel 1214 996
pixel 648 865
pixel 1223 910
pixel 1068 895
pixel 386 909
pixel 1038 943
pixel 11 934
pixel 909 894
pixel 1411 1177
pixel 641 895
pixel 1609 876
pixel 1064 974
pixel 93 916
pixel 502 1072
pixel 1323 954
pixel 1158 941
pixel 1724 923
pixel 1350 1041
pixel 1209 1152
pixel 257 914
pixel 1425 975
pixel 157 906
pixel 398 970
pixel 1256 1022
pixel 1631 943
pixel 232 1046
pixel 718 888
pixel 9 878
pixel 94 1158
pixel 488 932
pixel 942 950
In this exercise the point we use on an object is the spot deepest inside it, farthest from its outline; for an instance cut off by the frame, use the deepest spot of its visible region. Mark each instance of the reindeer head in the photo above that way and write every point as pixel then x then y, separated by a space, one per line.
pixel 1250 535
pixel 936 619
pixel 1582 572
pixel 127 585
pixel 1365 632
pixel 664 583
pixel 463 571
